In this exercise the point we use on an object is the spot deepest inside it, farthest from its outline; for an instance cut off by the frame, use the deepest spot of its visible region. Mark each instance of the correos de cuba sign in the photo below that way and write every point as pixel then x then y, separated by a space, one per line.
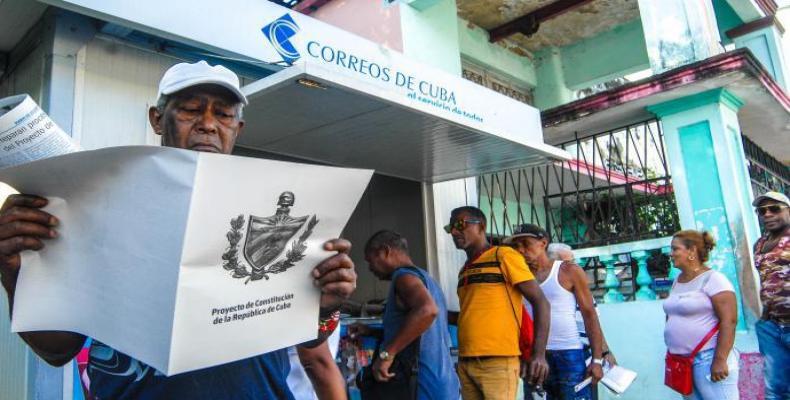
pixel 264 31
pixel 282 34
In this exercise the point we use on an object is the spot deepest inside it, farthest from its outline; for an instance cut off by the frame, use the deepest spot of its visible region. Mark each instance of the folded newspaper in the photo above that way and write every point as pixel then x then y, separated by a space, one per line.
pixel 28 134
pixel 163 251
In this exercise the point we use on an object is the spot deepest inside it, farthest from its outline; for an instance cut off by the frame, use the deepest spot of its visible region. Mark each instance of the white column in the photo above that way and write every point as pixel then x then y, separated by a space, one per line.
pixel 444 260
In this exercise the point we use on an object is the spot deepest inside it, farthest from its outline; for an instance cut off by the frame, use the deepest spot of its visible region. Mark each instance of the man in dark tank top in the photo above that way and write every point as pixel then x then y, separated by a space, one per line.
pixel 415 315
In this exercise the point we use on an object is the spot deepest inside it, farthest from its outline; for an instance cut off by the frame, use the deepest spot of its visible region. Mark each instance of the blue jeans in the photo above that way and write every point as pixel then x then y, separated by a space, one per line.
pixel 774 341
pixel 567 368
pixel 704 388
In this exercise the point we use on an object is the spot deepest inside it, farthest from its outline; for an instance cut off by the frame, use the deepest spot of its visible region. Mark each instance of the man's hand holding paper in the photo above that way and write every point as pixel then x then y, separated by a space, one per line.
pixel 335 275
pixel 24 226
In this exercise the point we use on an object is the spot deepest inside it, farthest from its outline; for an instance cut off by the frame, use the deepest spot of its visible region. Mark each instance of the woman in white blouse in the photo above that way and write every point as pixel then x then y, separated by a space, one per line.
pixel 700 299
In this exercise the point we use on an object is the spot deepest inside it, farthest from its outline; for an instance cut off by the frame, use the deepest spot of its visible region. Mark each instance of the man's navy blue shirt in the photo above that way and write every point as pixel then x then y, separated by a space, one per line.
pixel 114 375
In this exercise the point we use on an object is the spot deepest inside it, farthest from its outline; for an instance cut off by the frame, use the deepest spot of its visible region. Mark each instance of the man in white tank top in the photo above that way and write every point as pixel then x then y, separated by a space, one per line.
pixel 565 286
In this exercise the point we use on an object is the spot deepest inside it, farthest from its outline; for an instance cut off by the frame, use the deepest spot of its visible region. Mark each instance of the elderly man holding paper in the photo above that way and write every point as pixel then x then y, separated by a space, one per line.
pixel 199 108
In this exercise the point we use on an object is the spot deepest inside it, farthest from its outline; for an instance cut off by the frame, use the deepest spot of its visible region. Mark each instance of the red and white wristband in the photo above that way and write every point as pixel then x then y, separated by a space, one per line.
pixel 328 324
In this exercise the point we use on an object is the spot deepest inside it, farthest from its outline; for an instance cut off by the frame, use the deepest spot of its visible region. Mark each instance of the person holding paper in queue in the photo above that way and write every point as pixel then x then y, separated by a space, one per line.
pixel 565 286
pixel 199 108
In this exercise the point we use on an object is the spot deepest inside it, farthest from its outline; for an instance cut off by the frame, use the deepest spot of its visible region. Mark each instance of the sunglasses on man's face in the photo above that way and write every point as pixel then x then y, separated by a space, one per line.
pixel 774 209
pixel 460 224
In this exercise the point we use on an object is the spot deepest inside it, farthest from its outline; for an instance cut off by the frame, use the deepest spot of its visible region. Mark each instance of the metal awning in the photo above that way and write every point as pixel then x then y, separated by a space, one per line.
pixel 368 106
pixel 314 113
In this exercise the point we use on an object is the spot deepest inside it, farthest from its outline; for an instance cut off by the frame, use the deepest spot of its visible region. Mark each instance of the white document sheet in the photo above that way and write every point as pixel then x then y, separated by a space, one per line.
pixel 618 379
pixel 27 133
pixel 182 260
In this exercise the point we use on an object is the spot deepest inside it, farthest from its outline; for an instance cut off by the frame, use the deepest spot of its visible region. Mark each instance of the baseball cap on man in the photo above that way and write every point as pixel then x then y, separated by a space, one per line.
pixel 526 230
pixel 772 196
pixel 184 75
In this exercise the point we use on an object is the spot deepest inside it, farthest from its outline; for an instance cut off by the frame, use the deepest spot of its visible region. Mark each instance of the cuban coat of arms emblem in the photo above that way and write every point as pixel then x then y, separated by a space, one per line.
pixel 265 241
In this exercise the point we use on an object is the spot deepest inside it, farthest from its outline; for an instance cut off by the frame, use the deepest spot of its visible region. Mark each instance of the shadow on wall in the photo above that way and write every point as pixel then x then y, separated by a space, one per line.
pixel 635 333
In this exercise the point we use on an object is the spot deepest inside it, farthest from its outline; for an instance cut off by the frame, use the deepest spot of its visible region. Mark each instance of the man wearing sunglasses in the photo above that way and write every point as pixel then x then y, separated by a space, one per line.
pixel 490 289
pixel 772 260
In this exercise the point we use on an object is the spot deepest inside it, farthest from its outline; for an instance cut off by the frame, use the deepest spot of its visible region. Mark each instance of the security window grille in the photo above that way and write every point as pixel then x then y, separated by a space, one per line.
pixel 617 188
pixel 766 172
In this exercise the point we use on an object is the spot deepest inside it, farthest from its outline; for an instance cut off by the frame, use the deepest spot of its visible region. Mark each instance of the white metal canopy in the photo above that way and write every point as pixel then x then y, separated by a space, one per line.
pixel 377 108
pixel 340 121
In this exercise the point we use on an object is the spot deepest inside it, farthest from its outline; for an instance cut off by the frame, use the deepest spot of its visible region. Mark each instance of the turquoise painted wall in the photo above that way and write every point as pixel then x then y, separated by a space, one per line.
pixel 611 54
pixel 635 333
pixel 431 35
pixel 708 201
pixel 750 222
pixel 711 183
pixel 552 91
pixel 474 45
pixel 766 45
pixel 421 4
pixel 603 57
pixel 726 19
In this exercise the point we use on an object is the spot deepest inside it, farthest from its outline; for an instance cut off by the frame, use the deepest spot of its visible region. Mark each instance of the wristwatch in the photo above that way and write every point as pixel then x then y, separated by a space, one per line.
pixel 598 361
pixel 384 355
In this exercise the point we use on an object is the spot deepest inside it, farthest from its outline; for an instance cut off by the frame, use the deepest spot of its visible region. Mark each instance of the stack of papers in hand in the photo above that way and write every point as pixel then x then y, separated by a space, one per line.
pixel 617 379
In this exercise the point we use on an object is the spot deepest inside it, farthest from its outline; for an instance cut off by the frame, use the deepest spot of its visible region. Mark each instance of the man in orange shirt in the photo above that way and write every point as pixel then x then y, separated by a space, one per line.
pixel 490 288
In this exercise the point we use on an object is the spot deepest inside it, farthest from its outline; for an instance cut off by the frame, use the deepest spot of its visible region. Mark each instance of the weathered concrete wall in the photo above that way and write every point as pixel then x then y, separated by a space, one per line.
pixel 580 23
pixel 611 54
pixel 552 91
pixel 474 45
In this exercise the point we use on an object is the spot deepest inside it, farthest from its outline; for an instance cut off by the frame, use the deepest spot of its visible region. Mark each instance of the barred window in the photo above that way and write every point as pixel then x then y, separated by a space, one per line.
pixel 616 188
pixel 766 172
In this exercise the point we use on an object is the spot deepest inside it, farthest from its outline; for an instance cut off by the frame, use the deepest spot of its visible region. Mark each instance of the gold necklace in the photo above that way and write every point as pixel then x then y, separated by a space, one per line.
pixel 692 274
pixel 695 270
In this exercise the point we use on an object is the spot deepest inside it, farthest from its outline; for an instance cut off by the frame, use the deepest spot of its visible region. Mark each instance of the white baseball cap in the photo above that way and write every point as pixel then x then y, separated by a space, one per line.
pixel 184 75
pixel 772 196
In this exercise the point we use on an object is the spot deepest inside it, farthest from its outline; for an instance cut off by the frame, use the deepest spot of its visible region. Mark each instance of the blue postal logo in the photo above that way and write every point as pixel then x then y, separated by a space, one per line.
pixel 279 34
